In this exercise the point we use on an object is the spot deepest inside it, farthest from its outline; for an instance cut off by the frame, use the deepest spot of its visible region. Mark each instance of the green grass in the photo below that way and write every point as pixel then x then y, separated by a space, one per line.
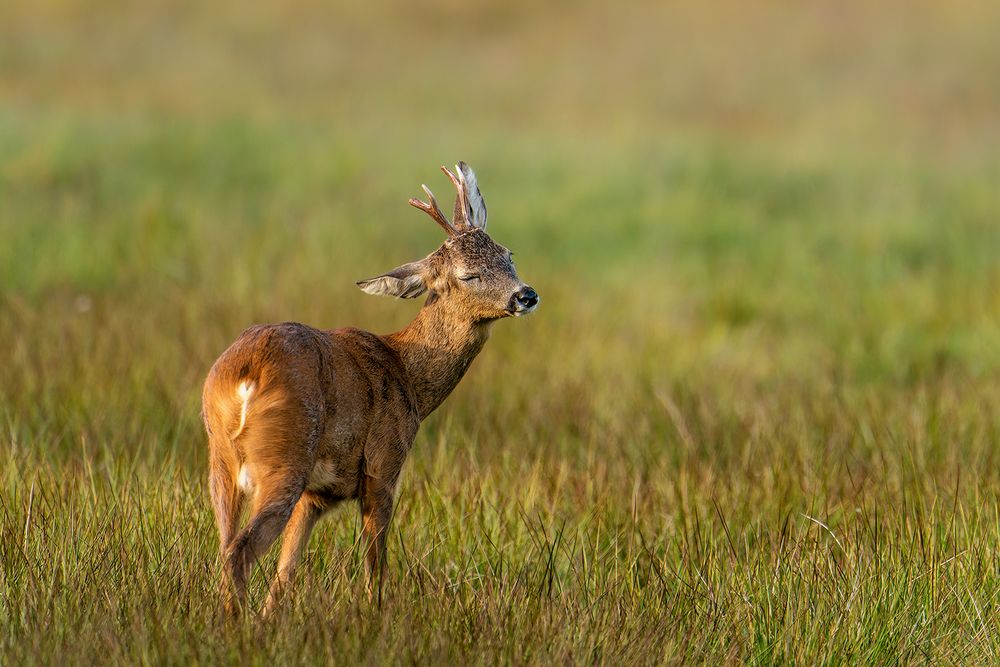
pixel 755 419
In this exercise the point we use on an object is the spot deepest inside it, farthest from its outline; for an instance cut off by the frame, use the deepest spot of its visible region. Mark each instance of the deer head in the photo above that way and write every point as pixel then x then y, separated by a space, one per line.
pixel 470 272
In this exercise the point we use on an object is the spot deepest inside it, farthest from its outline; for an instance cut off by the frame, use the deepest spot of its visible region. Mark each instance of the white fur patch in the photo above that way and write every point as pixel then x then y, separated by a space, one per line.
pixel 244 479
pixel 324 477
pixel 244 392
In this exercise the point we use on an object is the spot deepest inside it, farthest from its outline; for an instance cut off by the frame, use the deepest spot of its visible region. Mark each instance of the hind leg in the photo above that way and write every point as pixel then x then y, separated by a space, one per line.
pixel 300 525
pixel 227 499
pixel 275 497
pixel 227 502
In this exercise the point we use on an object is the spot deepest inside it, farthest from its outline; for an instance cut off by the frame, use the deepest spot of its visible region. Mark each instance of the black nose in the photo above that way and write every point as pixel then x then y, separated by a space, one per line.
pixel 527 297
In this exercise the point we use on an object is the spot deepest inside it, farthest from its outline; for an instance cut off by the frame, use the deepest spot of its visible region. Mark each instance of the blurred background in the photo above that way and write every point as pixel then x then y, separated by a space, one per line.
pixel 762 192
pixel 766 237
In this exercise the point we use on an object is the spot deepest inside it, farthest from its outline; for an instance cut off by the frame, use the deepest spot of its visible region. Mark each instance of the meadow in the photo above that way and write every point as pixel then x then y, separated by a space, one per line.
pixel 755 419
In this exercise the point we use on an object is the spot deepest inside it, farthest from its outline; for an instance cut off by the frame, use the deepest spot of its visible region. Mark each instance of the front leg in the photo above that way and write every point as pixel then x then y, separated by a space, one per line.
pixel 385 451
pixel 376 513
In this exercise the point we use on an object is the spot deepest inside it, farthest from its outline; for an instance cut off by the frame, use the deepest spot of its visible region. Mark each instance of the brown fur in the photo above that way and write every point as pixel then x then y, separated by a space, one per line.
pixel 331 415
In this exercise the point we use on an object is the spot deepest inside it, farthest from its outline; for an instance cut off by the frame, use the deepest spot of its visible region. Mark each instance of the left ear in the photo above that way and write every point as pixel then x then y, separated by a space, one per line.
pixel 406 281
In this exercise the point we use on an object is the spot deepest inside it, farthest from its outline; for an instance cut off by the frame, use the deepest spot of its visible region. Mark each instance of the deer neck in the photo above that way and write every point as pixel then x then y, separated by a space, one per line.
pixel 437 348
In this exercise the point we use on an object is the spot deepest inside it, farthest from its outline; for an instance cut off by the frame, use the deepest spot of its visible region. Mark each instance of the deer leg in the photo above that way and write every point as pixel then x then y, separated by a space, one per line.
pixel 227 502
pixel 294 542
pixel 376 513
pixel 273 504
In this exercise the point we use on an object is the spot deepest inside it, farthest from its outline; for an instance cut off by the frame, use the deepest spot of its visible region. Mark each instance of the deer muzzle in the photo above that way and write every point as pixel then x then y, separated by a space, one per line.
pixel 524 301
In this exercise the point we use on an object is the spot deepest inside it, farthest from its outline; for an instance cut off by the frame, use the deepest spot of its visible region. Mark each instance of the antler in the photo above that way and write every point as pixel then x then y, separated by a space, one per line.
pixel 432 209
pixel 470 209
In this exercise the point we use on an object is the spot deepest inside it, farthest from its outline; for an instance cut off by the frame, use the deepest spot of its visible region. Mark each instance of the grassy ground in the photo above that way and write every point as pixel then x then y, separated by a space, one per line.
pixel 755 419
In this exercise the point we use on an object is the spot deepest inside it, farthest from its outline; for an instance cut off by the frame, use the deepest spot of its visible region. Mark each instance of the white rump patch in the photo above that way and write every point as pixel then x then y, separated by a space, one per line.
pixel 244 480
pixel 244 392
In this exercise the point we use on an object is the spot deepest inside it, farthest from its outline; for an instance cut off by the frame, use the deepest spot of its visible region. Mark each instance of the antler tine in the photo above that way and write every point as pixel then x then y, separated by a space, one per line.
pixel 432 209
pixel 461 205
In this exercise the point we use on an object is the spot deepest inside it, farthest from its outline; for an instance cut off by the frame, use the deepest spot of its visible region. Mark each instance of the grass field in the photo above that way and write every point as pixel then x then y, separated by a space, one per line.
pixel 756 418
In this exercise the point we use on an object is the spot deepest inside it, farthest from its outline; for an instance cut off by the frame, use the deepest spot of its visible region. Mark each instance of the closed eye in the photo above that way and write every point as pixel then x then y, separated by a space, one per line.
pixel 469 278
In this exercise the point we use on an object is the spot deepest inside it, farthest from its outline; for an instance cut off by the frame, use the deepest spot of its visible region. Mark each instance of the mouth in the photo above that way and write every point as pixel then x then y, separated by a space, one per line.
pixel 520 309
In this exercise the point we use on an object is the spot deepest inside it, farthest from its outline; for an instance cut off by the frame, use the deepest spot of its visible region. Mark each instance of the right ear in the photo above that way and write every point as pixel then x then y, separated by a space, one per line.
pixel 406 281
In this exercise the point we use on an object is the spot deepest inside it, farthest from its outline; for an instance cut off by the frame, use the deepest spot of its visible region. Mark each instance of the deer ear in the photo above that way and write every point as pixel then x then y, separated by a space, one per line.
pixel 474 198
pixel 406 282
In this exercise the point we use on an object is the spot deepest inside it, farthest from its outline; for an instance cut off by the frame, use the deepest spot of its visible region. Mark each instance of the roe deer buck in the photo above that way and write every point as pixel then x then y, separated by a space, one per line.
pixel 299 419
